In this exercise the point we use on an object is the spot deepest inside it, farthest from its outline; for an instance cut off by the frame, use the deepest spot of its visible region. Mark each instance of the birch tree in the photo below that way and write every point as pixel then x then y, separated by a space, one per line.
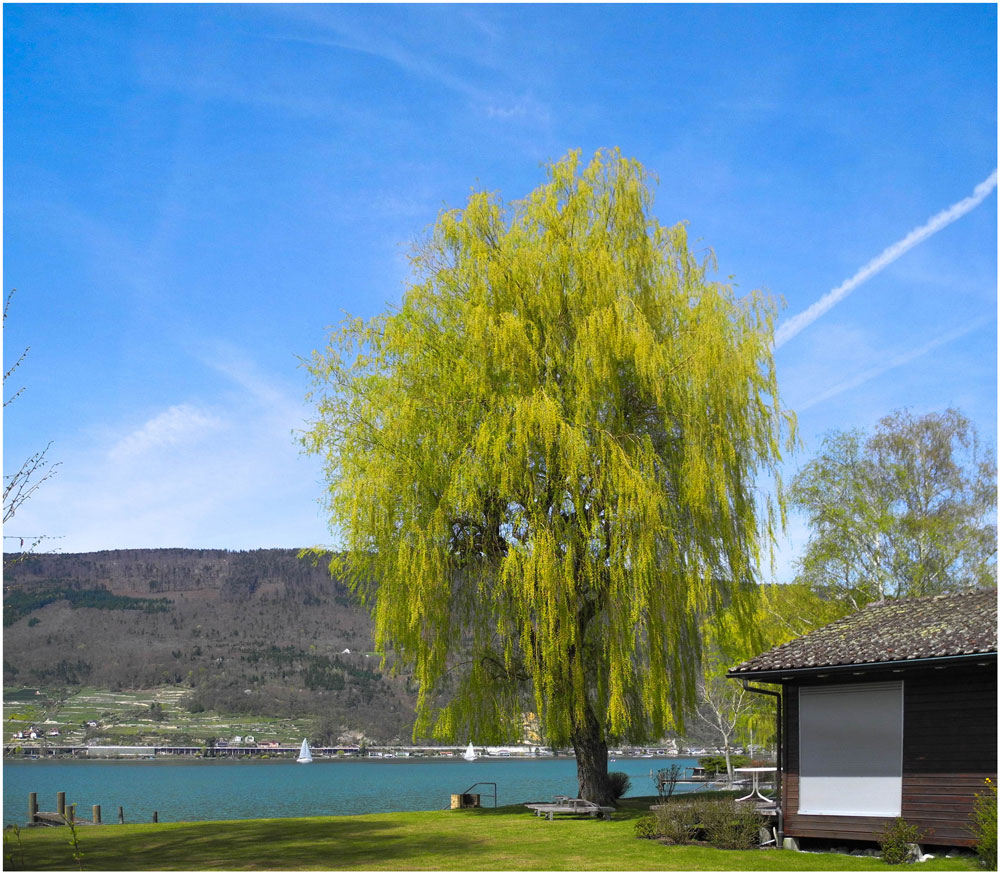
pixel 726 708
pixel 542 464
pixel 906 511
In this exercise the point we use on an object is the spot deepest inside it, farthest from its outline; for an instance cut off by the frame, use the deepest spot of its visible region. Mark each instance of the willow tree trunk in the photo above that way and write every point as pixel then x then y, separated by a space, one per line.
pixel 592 760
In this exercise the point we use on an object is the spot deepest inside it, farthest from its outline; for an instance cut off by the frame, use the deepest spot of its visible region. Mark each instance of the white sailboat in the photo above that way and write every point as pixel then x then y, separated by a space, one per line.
pixel 305 756
pixel 470 754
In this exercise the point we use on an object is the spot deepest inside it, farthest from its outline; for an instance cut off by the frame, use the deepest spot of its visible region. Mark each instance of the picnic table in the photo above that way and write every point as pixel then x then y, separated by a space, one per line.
pixel 564 804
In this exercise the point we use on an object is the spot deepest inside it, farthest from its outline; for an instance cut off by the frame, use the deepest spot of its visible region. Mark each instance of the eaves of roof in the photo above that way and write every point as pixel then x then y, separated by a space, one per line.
pixel 776 675
pixel 898 631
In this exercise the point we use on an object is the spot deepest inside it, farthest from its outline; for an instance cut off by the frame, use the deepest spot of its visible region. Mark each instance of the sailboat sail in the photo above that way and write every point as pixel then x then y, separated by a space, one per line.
pixel 470 754
pixel 305 755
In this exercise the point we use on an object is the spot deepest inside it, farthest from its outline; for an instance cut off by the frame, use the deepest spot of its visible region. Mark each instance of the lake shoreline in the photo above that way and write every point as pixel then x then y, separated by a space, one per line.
pixel 177 789
pixel 247 754
pixel 317 760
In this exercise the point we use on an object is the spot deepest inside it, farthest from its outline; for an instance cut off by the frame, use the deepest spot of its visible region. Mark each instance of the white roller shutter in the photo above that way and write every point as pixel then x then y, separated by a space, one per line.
pixel 851 749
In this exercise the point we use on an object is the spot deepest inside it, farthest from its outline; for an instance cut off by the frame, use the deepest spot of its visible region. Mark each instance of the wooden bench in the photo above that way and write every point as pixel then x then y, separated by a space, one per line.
pixel 562 804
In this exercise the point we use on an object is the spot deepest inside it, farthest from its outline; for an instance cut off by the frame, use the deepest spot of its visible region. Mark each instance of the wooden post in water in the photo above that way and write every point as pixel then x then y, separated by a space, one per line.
pixel 61 803
pixel 32 806
pixel 121 815
pixel 97 814
pixel 156 816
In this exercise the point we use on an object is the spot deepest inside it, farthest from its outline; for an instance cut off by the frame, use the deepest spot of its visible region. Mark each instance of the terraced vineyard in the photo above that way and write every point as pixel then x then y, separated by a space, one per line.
pixel 126 718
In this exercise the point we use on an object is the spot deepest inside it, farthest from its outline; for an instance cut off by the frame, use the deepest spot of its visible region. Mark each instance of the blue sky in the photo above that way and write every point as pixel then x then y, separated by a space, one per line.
pixel 193 194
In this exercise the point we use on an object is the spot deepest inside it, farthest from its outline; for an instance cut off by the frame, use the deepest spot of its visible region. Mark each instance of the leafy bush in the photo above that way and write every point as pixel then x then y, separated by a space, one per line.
pixel 620 783
pixel 717 764
pixel 729 825
pixel 679 821
pixel 647 827
pixel 983 824
pixel 722 822
pixel 895 841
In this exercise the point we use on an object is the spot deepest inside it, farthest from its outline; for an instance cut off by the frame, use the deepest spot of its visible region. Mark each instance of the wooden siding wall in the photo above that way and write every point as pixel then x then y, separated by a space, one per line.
pixel 949 749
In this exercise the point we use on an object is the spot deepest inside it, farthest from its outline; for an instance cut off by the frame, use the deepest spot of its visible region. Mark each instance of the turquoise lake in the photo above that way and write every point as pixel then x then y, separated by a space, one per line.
pixel 213 789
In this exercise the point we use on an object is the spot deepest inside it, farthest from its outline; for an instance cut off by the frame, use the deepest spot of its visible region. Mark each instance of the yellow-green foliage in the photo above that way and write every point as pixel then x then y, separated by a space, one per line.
pixel 780 613
pixel 983 824
pixel 542 464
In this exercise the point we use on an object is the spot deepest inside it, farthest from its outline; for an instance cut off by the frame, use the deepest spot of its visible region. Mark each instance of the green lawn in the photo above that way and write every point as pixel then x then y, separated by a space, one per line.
pixel 506 839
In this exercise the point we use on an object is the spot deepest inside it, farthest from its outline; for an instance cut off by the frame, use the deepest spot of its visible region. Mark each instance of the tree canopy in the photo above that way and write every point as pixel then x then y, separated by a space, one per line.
pixel 542 464
pixel 908 510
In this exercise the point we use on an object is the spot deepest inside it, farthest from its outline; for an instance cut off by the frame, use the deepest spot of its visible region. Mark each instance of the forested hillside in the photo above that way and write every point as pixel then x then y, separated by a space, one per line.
pixel 260 632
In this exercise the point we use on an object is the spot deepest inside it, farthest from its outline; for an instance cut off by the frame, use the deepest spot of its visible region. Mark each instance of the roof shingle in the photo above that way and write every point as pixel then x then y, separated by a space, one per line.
pixel 889 631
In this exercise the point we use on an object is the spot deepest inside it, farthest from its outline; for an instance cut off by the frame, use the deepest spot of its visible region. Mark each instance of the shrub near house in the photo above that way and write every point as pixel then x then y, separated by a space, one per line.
pixel 722 822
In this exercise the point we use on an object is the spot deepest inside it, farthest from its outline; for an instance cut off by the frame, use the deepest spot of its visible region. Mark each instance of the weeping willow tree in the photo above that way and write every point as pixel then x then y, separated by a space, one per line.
pixel 542 463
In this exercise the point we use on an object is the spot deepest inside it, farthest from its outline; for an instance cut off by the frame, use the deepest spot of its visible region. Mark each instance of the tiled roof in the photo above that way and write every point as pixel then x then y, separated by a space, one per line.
pixel 889 631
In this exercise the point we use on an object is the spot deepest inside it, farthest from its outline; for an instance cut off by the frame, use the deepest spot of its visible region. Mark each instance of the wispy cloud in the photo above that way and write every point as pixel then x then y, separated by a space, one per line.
pixel 209 472
pixel 179 424
pixel 495 88
pixel 894 362
pixel 386 49
pixel 797 323
pixel 525 107
pixel 242 371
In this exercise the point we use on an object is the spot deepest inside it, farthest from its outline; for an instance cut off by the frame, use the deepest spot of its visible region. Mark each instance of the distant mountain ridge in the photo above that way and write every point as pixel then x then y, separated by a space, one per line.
pixel 150 571
pixel 261 631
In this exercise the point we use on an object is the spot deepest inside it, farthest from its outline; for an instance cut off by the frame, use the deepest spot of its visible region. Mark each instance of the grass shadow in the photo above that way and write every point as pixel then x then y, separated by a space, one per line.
pixel 314 843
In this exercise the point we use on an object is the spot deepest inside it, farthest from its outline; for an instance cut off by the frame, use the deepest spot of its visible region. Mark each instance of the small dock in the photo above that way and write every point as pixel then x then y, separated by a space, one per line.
pixel 65 814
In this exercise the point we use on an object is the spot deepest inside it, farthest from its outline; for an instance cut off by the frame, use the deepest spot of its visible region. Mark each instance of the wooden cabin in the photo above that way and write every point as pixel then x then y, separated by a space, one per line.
pixel 889 712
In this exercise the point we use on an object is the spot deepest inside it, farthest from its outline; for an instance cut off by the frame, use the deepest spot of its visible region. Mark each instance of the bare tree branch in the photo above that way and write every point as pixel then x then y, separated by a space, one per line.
pixel 21 485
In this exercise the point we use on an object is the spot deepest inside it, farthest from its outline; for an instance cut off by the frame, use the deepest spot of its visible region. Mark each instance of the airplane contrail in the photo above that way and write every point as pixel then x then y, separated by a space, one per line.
pixel 790 328
pixel 895 361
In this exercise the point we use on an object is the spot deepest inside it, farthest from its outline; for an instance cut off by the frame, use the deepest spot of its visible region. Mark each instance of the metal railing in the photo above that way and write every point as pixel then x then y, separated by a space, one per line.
pixel 484 783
